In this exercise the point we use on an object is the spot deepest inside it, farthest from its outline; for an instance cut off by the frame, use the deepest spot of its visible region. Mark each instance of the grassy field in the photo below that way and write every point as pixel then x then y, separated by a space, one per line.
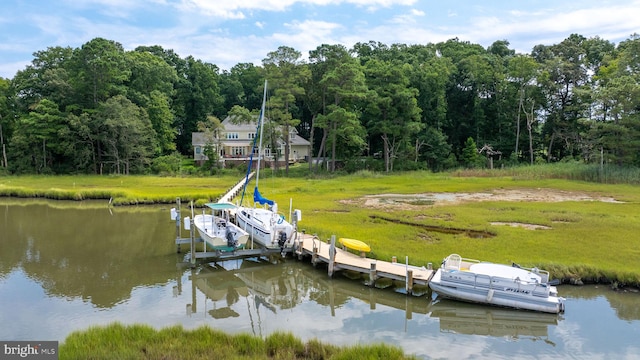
pixel 593 241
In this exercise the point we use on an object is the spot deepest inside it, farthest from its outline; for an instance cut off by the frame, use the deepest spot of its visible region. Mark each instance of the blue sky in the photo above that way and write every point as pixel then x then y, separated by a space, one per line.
pixel 228 32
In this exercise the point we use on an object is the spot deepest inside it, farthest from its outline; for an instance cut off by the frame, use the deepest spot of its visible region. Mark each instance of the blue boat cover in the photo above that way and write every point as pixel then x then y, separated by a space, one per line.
pixel 257 198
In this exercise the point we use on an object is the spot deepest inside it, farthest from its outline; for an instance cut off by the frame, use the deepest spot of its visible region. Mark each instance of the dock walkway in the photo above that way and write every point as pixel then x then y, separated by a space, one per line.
pixel 321 251
pixel 235 190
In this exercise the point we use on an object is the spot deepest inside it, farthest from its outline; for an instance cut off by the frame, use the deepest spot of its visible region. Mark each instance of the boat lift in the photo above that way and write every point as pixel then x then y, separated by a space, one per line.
pixel 218 255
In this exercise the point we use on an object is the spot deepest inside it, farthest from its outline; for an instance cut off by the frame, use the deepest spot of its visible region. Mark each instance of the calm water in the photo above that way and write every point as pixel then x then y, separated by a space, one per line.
pixel 64 269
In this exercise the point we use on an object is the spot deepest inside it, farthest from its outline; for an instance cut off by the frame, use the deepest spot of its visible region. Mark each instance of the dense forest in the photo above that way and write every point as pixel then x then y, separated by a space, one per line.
pixel 99 109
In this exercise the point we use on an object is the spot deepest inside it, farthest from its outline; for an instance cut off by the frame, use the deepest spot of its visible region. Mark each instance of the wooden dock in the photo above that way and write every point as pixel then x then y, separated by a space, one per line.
pixel 340 259
pixel 235 190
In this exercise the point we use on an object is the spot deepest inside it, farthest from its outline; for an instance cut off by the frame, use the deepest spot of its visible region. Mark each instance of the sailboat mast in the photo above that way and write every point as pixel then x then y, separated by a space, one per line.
pixel 260 125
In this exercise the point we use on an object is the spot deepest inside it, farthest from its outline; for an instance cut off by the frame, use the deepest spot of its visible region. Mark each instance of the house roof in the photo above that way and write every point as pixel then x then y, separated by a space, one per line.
pixel 197 138
pixel 230 126
pixel 299 141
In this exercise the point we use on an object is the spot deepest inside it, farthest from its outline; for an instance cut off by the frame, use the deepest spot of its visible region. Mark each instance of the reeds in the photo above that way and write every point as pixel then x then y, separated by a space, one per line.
pixel 117 341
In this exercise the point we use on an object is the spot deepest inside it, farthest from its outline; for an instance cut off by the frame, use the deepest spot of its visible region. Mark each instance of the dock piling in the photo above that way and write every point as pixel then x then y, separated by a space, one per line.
pixel 175 215
pixel 409 282
pixel 372 274
pixel 332 255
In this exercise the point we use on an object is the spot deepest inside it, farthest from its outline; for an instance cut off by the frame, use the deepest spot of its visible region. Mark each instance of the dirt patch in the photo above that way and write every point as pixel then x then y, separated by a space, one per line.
pixel 418 201
pixel 522 225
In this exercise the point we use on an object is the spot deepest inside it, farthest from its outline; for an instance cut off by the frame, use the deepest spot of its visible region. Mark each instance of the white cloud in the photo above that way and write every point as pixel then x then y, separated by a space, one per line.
pixel 235 9
pixel 231 32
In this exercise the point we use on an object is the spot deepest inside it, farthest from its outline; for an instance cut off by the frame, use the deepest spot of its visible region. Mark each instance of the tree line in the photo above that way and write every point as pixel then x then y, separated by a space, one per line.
pixel 99 109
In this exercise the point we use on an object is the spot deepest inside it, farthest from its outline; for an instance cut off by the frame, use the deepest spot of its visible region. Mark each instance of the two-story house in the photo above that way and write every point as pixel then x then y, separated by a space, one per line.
pixel 234 144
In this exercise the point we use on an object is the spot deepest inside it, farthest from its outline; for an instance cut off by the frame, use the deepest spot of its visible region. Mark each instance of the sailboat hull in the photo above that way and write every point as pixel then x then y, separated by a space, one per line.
pixel 265 228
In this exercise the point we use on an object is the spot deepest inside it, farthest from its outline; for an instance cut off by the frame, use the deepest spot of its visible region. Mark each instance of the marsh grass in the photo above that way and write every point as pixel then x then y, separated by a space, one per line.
pixel 120 190
pixel 607 174
pixel 117 341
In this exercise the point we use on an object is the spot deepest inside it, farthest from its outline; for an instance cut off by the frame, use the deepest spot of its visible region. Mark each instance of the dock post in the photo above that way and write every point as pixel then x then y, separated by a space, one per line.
pixel 406 278
pixel 193 243
pixel 372 274
pixel 409 282
pixel 176 215
pixel 314 255
pixel 332 255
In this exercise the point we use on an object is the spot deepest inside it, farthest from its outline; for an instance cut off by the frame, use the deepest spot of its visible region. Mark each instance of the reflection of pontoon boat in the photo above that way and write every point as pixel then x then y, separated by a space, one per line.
pixel 472 319
pixel 495 284
pixel 216 229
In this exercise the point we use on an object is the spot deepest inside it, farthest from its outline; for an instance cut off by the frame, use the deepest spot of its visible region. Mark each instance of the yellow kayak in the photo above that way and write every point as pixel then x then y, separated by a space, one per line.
pixel 354 244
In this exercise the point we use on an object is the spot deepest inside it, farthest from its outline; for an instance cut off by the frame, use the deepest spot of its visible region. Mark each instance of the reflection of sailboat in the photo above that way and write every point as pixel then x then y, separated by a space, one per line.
pixel 273 286
pixel 473 319
pixel 265 225
pixel 219 285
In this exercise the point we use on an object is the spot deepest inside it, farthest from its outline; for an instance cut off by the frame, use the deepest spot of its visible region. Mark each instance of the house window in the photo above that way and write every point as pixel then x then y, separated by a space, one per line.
pixel 237 150
pixel 251 135
pixel 198 150
pixel 231 136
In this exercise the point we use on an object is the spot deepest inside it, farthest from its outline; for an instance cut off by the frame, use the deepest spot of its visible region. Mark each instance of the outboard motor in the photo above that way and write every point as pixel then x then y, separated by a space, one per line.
pixel 282 238
pixel 231 242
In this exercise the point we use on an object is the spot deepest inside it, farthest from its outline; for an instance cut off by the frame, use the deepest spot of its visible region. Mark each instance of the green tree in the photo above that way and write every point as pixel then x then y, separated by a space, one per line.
pixel 337 87
pixel 563 76
pixel 37 134
pixel 470 156
pixel 522 71
pixel 197 97
pixel 46 77
pixel 161 117
pixel 5 118
pixel 287 73
pixel 100 71
pixel 391 111
pixel 126 134
pixel 612 133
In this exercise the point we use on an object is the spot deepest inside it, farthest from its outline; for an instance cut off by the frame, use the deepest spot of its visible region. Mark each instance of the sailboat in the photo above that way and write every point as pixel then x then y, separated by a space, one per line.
pixel 264 224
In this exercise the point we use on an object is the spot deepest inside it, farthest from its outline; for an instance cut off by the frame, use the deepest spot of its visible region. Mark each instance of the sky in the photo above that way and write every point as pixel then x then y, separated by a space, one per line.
pixel 229 32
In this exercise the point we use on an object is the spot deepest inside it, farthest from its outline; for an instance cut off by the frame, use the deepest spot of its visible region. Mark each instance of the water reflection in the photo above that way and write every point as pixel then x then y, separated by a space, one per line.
pixel 287 284
pixel 470 319
pixel 65 268
pixel 98 254
pixel 268 287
